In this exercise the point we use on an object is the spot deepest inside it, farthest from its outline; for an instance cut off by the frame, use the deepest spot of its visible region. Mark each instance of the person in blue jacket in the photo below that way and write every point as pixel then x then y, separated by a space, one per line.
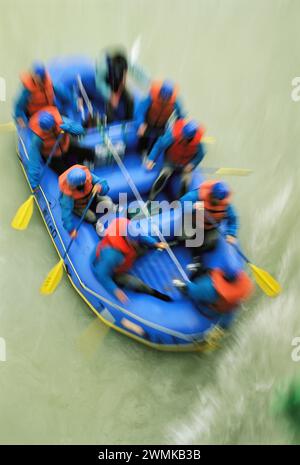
pixel 76 188
pixel 46 126
pixel 218 292
pixel 214 199
pixel 182 151
pixel 154 112
pixel 38 91
pixel 114 256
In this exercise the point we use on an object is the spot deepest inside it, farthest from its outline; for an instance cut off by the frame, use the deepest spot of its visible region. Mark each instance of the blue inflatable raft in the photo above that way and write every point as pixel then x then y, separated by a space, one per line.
pixel 175 326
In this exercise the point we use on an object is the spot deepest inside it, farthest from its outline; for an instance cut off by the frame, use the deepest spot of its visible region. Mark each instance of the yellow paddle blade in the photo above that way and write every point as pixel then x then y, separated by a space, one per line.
pixel 53 278
pixel 233 172
pixel 91 338
pixel 23 215
pixel 7 127
pixel 265 281
pixel 208 140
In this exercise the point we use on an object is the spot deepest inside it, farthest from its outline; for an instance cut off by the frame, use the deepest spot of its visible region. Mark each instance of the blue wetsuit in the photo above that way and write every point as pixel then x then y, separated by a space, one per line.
pixel 104 267
pixel 62 95
pixel 143 107
pixel 35 164
pixel 67 204
pixel 202 291
pixel 232 222
pixel 164 142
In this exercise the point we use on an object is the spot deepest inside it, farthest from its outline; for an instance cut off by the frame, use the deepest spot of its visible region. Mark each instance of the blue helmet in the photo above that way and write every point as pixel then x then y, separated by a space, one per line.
pixel 220 191
pixel 46 121
pixel 230 270
pixel 39 69
pixel 190 129
pixel 76 177
pixel 166 90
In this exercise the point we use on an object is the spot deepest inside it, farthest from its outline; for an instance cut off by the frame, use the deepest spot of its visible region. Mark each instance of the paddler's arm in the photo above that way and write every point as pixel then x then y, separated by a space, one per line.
pixel 20 105
pixel 232 223
pixel 72 127
pixel 159 147
pixel 179 108
pixel 192 196
pixel 67 205
pixel 199 155
pixel 64 95
pixel 35 161
pixel 102 183
pixel 104 268
pixel 196 160
pixel 141 110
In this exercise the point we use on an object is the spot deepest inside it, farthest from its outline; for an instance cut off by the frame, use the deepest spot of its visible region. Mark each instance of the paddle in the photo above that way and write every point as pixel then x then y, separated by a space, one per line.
pixel 54 276
pixel 7 127
pixel 227 171
pixel 23 216
pixel 263 279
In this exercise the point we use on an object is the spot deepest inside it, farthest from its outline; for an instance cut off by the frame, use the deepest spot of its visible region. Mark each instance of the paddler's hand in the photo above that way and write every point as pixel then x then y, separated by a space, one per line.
pixel 161 245
pixel 199 206
pixel 97 188
pixel 188 168
pixel 73 128
pixel 149 165
pixel 121 296
pixel 230 239
pixel 114 100
pixel 73 234
pixel 104 187
pixel 142 129
pixel 21 122
pixel 79 104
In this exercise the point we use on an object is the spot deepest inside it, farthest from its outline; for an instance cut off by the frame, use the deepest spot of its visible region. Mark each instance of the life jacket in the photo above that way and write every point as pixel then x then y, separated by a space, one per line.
pixel 81 198
pixel 40 95
pixel 216 212
pixel 182 151
pixel 160 110
pixel 49 137
pixel 231 294
pixel 115 237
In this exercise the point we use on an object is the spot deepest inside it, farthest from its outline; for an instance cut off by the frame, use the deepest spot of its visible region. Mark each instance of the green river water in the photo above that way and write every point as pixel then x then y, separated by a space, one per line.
pixel 67 379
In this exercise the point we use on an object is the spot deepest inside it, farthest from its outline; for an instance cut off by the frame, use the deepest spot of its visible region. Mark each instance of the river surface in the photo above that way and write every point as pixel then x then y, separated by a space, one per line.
pixel 67 379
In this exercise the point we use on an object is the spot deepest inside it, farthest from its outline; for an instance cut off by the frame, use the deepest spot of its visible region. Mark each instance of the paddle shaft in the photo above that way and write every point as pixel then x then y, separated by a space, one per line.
pixel 80 222
pixel 50 158
pixel 85 96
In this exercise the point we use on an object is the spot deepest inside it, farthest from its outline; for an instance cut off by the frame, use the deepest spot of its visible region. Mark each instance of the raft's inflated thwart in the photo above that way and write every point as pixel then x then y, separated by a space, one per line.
pixel 177 325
